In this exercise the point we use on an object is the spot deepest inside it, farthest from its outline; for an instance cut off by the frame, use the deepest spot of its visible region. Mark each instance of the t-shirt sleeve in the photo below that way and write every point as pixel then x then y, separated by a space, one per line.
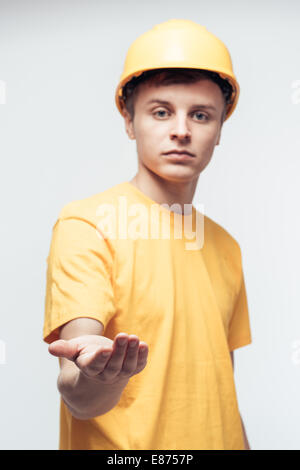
pixel 239 332
pixel 79 280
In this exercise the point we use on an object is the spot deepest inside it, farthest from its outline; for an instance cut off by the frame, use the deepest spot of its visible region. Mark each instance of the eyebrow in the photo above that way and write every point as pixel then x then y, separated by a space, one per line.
pixel 167 103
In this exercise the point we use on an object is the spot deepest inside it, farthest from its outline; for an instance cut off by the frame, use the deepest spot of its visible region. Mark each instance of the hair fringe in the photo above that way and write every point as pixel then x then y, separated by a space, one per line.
pixel 174 75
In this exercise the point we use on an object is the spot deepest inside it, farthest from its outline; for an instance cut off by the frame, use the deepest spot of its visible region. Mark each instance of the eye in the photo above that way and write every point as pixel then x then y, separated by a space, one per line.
pixel 201 114
pixel 160 111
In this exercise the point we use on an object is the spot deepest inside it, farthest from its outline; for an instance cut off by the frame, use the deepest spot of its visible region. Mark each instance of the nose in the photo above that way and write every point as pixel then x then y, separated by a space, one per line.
pixel 180 129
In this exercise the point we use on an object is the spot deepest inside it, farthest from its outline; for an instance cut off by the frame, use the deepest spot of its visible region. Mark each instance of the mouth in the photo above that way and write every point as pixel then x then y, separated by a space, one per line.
pixel 179 153
pixel 177 156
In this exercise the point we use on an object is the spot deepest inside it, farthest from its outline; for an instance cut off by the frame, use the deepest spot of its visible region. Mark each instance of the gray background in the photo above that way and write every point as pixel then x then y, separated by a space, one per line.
pixel 63 139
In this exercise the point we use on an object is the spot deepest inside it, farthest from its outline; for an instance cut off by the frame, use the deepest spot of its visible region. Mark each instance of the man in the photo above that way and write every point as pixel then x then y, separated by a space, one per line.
pixel 145 326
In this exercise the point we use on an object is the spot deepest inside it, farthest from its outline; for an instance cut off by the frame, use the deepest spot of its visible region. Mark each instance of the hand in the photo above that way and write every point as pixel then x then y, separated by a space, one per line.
pixel 88 352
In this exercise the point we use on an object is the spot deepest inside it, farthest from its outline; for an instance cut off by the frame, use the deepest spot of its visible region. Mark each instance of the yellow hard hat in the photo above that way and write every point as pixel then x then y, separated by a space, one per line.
pixel 178 43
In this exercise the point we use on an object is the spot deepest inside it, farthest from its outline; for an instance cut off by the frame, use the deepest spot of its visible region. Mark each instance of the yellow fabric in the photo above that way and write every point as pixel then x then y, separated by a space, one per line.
pixel 189 306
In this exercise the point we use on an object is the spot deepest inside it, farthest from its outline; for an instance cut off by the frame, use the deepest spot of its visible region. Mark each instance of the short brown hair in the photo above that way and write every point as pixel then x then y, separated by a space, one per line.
pixel 170 76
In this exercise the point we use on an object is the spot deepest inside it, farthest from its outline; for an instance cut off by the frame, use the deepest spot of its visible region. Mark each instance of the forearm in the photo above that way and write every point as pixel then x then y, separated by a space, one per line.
pixel 86 397
pixel 246 443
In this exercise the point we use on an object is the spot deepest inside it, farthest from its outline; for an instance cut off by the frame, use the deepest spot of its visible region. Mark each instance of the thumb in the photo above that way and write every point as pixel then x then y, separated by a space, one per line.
pixel 63 348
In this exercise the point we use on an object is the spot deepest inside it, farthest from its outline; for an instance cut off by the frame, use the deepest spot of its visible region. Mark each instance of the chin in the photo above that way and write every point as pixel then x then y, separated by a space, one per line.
pixel 177 175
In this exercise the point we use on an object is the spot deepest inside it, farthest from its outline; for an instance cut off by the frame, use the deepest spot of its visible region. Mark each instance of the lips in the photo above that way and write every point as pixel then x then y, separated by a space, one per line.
pixel 179 152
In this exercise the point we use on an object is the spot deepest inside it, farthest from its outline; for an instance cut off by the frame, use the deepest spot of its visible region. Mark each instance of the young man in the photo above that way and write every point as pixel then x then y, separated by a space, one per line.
pixel 145 326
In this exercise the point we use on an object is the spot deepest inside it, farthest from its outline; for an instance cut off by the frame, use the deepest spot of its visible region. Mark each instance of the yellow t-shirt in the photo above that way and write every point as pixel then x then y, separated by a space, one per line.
pixel 188 305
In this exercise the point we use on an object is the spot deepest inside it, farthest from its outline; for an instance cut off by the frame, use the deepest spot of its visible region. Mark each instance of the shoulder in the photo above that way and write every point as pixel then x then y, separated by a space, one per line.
pixel 222 242
pixel 220 235
pixel 88 209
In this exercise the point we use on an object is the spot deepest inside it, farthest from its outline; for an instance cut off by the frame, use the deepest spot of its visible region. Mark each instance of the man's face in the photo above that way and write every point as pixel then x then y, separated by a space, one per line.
pixel 179 122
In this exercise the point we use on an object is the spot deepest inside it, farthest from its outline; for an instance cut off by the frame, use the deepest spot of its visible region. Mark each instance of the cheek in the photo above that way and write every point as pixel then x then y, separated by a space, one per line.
pixel 205 147
pixel 149 137
pixel 208 139
pixel 149 128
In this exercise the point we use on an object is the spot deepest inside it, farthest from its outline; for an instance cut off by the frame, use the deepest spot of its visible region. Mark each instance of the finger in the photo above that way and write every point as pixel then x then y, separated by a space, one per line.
pixel 142 357
pixel 93 363
pixel 63 348
pixel 114 365
pixel 97 364
pixel 130 361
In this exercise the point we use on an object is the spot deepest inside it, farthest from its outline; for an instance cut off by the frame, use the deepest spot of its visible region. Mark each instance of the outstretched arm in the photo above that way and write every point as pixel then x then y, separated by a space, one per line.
pixel 90 382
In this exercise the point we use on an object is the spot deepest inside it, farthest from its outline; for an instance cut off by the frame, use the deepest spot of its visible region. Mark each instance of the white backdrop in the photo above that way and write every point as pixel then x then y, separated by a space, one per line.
pixel 62 138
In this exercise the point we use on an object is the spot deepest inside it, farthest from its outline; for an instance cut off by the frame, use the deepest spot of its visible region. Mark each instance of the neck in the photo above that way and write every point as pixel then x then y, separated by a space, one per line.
pixel 165 191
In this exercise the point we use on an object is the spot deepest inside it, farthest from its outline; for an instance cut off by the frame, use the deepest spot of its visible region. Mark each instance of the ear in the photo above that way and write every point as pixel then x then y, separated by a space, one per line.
pixel 219 136
pixel 128 124
pixel 221 125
